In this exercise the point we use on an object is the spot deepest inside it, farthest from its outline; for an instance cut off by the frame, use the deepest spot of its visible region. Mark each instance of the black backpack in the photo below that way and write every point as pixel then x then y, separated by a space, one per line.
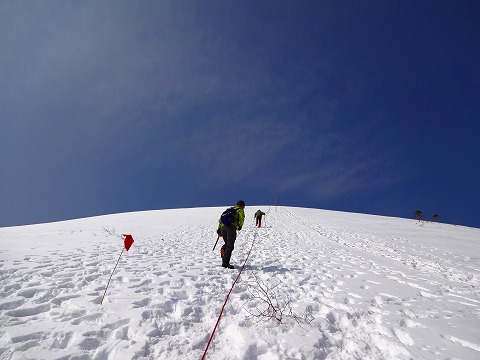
pixel 228 216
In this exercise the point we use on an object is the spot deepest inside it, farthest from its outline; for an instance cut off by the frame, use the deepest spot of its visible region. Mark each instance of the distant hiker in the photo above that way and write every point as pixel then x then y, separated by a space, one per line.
pixel 231 220
pixel 258 216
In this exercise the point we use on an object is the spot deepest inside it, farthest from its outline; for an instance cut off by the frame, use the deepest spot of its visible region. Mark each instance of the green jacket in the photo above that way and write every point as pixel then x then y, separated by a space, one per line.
pixel 239 218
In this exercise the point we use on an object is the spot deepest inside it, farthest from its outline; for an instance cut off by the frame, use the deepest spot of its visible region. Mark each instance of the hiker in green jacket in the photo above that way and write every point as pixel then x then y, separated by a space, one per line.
pixel 258 216
pixel 227 228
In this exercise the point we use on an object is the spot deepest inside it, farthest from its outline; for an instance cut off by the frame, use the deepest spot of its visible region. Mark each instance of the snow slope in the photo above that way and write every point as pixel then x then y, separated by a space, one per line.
pixel 351 286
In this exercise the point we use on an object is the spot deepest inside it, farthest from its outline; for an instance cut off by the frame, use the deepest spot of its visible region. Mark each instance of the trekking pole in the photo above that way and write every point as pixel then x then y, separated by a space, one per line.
pixel 218 237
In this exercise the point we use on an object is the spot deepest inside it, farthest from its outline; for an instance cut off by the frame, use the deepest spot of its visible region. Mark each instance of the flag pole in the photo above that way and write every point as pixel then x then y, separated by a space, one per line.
pixel 101 302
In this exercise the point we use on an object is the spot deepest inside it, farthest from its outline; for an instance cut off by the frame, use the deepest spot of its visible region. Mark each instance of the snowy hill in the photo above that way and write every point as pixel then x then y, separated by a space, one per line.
pixel 344 286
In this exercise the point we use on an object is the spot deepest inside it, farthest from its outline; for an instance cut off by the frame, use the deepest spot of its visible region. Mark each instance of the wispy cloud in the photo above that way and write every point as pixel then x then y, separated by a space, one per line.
pixel 163 90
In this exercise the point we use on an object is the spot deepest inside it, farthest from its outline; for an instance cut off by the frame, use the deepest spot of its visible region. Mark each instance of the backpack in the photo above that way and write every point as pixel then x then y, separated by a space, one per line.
pixel 228 216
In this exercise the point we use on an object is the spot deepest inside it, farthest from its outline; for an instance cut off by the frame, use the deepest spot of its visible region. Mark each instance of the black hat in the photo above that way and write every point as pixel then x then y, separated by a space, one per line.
pixel 241 203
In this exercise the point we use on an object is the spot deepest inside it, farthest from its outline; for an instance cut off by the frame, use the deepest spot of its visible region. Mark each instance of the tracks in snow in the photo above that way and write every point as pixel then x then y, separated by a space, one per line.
pixel 365 289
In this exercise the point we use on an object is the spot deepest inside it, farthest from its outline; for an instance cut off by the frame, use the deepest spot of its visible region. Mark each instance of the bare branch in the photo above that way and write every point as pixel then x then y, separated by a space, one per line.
pixel 111 232
pixel 273 308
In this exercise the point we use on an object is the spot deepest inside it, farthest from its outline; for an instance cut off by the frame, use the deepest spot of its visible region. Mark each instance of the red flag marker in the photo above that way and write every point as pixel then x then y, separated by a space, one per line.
pixel 128 241
pixel 127 244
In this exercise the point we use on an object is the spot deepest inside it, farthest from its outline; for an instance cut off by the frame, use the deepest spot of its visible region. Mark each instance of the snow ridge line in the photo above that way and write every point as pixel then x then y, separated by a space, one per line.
pixel 228 295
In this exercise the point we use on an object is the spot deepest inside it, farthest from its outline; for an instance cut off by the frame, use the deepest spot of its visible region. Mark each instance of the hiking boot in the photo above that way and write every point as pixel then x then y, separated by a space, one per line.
pixel 228 266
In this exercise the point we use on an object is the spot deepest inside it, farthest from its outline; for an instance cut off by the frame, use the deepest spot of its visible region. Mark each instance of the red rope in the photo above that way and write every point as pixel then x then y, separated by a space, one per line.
pixel 226 299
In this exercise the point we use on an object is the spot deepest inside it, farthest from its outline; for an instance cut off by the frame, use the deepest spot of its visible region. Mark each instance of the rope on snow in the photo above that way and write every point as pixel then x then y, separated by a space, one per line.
pixel 228 295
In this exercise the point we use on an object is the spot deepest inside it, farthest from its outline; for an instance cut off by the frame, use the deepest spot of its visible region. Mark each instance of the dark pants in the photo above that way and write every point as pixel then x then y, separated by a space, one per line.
pixel 229 234
pixel 259 221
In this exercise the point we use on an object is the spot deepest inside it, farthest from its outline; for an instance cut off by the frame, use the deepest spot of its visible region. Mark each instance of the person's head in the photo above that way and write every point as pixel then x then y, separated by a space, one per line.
pixel 241 203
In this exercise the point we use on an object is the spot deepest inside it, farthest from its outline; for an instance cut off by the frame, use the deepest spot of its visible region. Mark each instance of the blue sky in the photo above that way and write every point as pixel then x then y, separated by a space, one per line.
pixel 358 106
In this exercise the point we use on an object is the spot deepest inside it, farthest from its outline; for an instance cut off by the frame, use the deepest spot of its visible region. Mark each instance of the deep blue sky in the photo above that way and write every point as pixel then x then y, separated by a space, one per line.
pixel 358 106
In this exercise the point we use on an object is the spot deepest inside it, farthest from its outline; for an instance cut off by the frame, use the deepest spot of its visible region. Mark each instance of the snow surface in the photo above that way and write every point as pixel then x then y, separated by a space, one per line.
pixel 345 286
